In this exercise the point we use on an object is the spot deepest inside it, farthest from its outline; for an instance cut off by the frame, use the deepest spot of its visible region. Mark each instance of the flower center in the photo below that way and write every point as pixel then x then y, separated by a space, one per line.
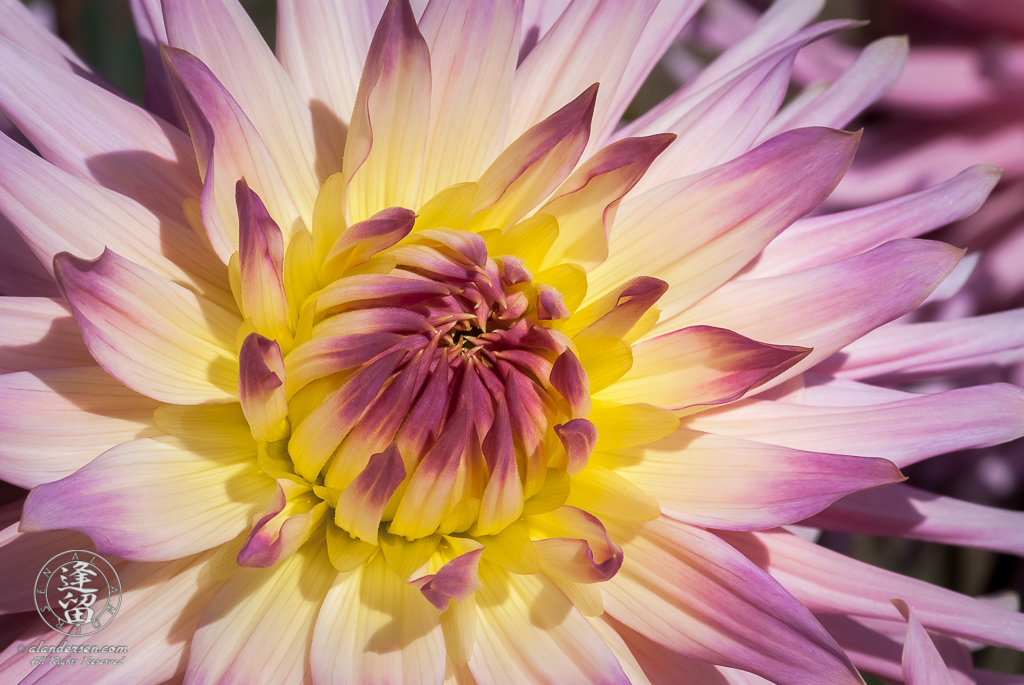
pixel 421 392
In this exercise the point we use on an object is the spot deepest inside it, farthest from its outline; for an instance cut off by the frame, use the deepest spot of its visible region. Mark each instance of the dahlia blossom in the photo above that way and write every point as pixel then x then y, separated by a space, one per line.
pixel 390 359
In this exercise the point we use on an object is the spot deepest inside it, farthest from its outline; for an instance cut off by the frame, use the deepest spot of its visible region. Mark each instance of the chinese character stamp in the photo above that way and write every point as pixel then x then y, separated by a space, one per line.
pixel 77 593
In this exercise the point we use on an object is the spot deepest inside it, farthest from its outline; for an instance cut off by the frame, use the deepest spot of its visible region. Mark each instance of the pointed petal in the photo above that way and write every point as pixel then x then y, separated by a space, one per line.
pixel 821 240
pixel 725 119
pixel 585 204
pixel 574 545
pixel 384 152
pixel 261 389
pixel 666 23
pixel 676 231
pixel 155 499
pixel 375 628
pixel 687 590
pixel 828 582
pixel 570 380
pixel 904 511
pixel 827 307
pixel 221 34
pixel 591 42
pixel 21 27
pixel 922 664
pixel 699 365
pixel 362 503
pixel 901 352
pixel 96 135
pixel 228 148
pixel 153 335
pixel 905 430
pixel 258 628
pixel 94 413
pixel 531 167
pixel 261 267
pixel 529 632
pixel 720 482
pixel 455 581
pixel 148 16
pixel 473 48
pixel 55 212
pixel 875 71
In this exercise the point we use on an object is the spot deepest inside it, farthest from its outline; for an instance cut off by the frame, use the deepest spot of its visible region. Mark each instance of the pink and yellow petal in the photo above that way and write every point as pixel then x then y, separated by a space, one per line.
pixel 221 34
pixel 829 306
pixel 384 152
pixel 722 217
pixel 70 415
pixel 528 631
pixel 156 499
pixel 690 592
pixel 699 365
pixel 375 628
pixel 473 49
pixel 719 482
pixel 155 336
pixel 258 628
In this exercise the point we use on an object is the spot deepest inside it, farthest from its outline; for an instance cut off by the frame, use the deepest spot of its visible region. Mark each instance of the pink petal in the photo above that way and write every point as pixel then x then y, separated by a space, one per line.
pixel 21 28
pixel 361 505
pixel 829 306
pixel 56 212
pixel 258 628
pixel 570 380
pixel 866 80
pixel 591 42
pixel 902 352
pixel 456 580
pixel 228 148
pixel 220 33
pixel 532 166
pixel 575 546
pixel 153 335
pixel 821 240
pixel 473 47
pixel 904 511
pixel 261 389
pixel 21 557
pixel 922 664
pixel 731 212
pixel 699 365
pixel 725 119
pixel 690 592
pixel 828 582
pixel 39 333
pixel 148 16
pixel 261 267
pixel 905 428
pixel 664 26
pixel 21 273
pixel 160 609
pixel 154 500
pixel 586 203
pixel 720 482
pixel 384 151
pixel 97 135
pixel 94 412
